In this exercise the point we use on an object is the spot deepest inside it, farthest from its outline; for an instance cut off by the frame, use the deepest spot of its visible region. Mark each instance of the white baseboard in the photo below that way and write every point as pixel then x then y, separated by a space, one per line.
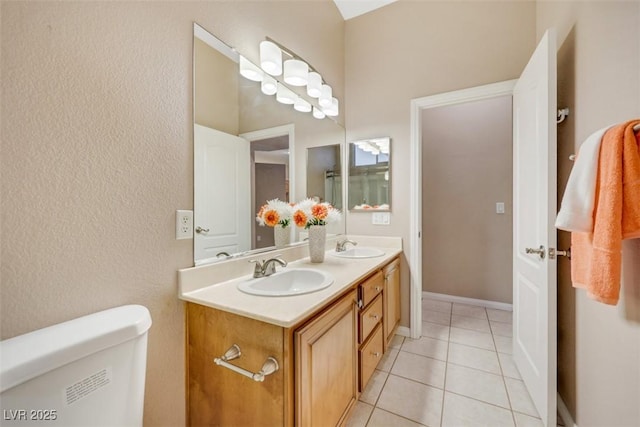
pixel 470 301
pixel 403 331
pixel 564 413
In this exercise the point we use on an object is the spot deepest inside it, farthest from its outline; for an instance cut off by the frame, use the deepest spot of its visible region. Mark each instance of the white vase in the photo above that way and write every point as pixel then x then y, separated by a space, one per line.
pixel 317 242
pixel 281 236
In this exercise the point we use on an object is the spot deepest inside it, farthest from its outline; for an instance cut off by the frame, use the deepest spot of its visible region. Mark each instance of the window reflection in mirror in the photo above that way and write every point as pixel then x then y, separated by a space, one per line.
pixel 324 174
pixel 369 175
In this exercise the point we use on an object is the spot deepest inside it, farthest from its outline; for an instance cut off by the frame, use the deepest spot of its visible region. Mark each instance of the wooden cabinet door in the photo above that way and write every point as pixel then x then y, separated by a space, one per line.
pixel 326 365
pixel 391 297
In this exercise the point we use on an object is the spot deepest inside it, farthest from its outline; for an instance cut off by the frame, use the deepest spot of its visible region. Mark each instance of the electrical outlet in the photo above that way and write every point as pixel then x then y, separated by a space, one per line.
pixel 184 224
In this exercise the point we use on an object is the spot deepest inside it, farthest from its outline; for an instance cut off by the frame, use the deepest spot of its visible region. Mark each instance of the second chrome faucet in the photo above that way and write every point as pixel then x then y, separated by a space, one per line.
pixel 266 268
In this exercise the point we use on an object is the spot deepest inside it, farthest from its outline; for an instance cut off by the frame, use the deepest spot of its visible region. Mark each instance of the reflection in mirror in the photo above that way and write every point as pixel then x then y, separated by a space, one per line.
pixel 244 153
pixel 369 175
pixel 324 176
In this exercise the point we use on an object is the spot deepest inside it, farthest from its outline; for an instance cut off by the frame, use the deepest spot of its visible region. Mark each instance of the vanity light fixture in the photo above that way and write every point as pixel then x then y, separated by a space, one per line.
pixel 314 84
pixel 334 109
pixel 318 114
pixel 270 58
pixel 301 105
pixel 296 72
pixel 249 70
pixel 269 86
pixel 284 95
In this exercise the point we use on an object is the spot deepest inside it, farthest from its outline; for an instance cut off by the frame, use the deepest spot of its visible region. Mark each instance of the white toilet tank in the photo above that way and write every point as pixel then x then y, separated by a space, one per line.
pixel 88 371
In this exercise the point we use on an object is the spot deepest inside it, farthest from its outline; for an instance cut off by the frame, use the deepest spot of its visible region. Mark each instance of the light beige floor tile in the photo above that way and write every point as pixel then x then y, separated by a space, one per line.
pixel 527 421
pixel 436 317
pixel 473 357
pixel 503 344
pixel 381 418
pixel 519 396
pixel 418 402
pixel 433 330
pixel 500 315
pixel 473 323
pixel 472 338
pixel 469 310
pixel 372 391
pixel 420 368
pixel 460 411
pixel 435 305
pixel 426 346
pixel 396 341
pixel 502 329
pixel 477 384
pixel 388 359
pixel 509 368
pixel 360 415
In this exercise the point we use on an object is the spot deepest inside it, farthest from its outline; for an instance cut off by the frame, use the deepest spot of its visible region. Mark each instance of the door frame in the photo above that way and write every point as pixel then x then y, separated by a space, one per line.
pixel 415 192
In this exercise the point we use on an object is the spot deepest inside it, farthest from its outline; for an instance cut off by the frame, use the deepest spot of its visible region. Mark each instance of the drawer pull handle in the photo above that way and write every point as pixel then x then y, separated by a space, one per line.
pixel 374 316
pixel 378 288
pixel 375 354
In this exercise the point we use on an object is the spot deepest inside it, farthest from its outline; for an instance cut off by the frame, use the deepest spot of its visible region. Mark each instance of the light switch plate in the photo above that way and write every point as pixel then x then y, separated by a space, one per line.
pixel 381 218
pixel 500 207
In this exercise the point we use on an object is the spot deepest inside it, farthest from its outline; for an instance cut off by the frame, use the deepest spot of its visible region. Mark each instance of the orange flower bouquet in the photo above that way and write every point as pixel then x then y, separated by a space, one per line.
pixel 309 212
pixel 275 212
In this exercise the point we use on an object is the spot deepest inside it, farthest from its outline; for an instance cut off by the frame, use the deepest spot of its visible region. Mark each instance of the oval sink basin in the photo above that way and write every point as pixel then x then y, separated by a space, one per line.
pixel 289 281
pixel 359 253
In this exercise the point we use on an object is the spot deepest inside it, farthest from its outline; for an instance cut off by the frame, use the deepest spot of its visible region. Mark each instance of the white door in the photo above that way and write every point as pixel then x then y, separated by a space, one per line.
pixel 222 193
pixel 534 272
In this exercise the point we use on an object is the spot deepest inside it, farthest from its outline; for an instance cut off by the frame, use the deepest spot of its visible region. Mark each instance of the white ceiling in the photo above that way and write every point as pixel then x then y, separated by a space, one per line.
pixel 352 8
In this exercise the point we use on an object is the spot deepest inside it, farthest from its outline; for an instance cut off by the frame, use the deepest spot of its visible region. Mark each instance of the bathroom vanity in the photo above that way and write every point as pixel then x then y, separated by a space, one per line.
pixel 327 344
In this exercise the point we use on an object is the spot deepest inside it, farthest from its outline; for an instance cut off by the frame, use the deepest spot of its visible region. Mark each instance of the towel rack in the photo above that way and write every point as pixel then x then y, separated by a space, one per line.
pixel 269 367
pixel 562 114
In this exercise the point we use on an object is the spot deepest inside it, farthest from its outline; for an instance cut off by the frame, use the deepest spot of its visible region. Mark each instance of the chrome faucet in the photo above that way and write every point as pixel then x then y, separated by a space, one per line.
pixel 268 267
pixel 341 243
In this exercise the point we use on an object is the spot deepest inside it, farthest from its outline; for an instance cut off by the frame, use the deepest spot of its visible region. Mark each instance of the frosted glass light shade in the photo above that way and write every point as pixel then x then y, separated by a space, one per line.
pixel 284 95
pixel 318 114
pixel 302 105
pixel 269 85
pixel 249 70
pixel 314 85
pixel 334 109
pixel 270 58
pixel 325 96
pixel 296 72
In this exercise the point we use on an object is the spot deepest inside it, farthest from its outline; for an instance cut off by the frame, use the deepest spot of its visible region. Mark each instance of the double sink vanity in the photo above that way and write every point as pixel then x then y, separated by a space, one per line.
pixel 295 347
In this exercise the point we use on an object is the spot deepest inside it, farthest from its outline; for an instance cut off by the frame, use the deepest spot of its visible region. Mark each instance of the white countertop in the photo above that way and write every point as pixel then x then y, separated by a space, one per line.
pixel 200 287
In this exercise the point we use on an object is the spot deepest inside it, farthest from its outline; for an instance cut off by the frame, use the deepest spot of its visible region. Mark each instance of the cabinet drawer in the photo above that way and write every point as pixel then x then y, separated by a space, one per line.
pixel 371 287
pixel 369 318
pixel 370 355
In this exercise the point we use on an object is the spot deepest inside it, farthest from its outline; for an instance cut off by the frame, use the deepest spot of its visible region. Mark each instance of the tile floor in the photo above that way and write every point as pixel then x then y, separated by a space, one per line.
pixel 459 373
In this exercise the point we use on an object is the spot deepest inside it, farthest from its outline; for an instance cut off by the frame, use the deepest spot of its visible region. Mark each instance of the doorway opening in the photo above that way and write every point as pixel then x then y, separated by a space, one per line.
pixel 417 199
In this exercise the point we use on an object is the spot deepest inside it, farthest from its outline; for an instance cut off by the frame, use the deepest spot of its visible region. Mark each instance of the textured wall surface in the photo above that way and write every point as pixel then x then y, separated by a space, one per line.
pixel 598 345
pixel 414 49
pixel 96 156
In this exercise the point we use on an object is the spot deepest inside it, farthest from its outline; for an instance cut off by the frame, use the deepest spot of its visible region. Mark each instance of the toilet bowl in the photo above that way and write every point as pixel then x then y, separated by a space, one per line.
pixel 89 371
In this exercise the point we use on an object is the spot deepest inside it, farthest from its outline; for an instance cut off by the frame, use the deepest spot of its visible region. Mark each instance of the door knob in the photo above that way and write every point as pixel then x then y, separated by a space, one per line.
pixel 541 252
pixel 201 230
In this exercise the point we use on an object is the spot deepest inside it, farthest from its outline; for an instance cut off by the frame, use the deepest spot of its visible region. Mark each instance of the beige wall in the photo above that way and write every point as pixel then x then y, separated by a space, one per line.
pixel 216 103
pixel 97 156
pixel 598 79
pixel 466 170
pixel 413 49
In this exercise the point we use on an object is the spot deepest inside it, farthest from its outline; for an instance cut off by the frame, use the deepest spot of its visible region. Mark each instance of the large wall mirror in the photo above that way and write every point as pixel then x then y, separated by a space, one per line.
pixel 369 175
pixel 248 148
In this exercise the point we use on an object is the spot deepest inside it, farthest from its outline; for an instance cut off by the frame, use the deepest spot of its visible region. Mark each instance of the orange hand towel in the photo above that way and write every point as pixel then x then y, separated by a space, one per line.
pixel 596 257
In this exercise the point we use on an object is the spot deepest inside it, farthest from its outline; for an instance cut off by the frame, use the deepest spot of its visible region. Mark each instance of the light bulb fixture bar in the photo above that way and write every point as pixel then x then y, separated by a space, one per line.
pixel 295 72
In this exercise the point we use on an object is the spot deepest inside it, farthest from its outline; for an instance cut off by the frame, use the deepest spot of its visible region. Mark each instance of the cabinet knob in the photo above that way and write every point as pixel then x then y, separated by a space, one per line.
pixel 375 354
pixel 374 316
pixel 377 288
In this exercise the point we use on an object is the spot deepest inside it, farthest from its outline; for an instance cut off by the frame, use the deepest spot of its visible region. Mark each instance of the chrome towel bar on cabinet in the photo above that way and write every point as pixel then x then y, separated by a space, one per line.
pixel 269 367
